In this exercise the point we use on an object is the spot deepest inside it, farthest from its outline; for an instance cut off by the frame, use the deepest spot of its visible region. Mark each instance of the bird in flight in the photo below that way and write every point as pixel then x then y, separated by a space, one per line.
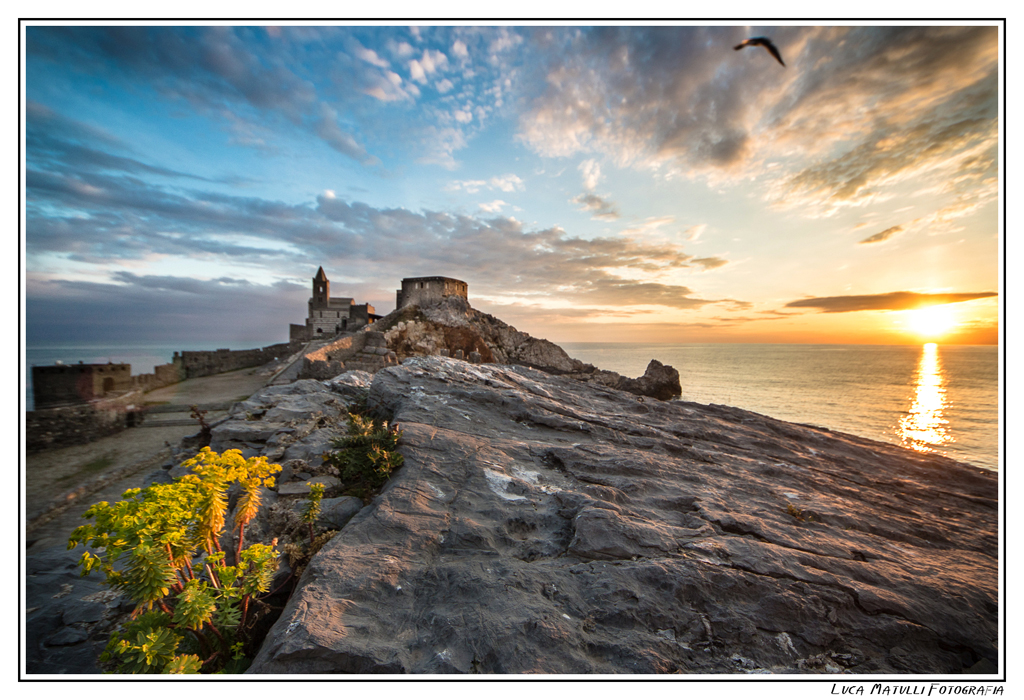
pixel 761 41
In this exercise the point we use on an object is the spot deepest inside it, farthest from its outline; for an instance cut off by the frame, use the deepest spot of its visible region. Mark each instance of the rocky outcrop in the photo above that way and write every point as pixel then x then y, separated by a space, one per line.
pixel 544 525
pixel 659 381
pixel 452 328
pixel 365 351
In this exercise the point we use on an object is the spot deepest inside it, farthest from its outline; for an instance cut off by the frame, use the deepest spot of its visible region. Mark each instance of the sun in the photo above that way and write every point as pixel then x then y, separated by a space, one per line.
pixel 931 321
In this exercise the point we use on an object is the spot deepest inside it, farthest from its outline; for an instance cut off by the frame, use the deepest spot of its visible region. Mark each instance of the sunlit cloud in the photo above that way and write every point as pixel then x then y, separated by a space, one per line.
pixel 601 208
pixel 892 301
pixel 153 151
pixel 591 172
pixel 883 235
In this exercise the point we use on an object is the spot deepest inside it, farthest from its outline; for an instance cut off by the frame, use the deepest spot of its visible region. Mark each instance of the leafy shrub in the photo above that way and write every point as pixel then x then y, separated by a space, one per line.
pixel 367 456
pixel 160 546
pixel 311 511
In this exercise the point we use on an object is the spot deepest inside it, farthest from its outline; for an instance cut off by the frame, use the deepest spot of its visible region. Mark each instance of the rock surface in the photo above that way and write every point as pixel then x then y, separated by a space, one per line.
pixel 453 328
pixel 543 525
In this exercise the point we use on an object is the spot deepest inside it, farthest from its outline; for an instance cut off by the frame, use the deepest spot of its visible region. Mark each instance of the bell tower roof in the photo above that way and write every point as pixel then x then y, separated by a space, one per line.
pixel 320 274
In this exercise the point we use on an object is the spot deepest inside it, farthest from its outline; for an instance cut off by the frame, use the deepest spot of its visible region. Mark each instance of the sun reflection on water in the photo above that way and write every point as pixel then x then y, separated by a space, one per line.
pixel 924 428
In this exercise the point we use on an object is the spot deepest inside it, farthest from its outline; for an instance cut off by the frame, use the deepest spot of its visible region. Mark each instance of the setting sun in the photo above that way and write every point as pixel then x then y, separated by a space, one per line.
pixel 932 321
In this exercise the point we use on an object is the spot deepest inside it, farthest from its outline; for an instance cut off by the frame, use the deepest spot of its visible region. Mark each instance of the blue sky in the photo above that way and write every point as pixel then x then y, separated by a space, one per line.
pixel 588 183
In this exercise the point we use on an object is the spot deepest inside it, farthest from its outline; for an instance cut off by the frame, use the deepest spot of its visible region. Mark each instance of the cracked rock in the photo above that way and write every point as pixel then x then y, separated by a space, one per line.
pixel 545 525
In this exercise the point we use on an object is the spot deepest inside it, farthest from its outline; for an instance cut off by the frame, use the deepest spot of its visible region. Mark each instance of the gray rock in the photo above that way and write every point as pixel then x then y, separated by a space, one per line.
pixel 311 448
pixel 67 636
pixel 300 488
pixel 84 612
pixel 336 512
pixel 375 339
pixel 351 384
pixel 544 525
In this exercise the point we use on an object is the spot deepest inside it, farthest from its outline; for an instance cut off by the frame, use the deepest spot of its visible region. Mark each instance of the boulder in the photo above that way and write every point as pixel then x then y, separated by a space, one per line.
pixel 545 525
pixel 336 512
pixel 658 381
pixel 301 488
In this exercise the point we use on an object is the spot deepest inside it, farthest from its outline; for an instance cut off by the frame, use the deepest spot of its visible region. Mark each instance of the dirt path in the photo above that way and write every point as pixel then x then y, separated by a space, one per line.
pixel 61 484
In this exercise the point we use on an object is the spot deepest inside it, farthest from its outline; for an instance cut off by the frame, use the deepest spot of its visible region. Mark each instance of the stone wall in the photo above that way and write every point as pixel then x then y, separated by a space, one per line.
pixel 366 351
pixel 298 332
pixel 57 385
pixel 423 291
pixel 75 425
pixel 162 375
pixel 203 363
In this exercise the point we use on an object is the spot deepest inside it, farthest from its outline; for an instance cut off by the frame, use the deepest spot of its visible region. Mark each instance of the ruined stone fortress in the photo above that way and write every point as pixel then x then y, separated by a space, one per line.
pixel 423 291
pixel 98 399
pixel 329 316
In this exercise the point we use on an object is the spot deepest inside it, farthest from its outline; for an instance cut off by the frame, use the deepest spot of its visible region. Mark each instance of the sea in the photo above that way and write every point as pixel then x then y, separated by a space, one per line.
pixel 930 398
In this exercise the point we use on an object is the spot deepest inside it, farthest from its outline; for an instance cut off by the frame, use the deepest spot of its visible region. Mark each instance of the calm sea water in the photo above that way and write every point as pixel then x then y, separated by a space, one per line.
pixel 931 398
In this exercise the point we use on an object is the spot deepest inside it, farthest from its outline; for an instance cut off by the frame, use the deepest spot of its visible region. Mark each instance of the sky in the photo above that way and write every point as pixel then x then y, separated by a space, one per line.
pixel 588 183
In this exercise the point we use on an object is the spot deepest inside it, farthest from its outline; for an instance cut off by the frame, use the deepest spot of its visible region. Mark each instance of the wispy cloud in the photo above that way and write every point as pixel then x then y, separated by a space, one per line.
pixel 601 208
pixel 504 183
pixel 883 235
pixel 869 107
pixel 891 301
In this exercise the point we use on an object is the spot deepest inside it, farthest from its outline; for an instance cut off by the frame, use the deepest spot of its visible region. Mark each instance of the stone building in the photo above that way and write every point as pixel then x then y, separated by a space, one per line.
pixel 327 316
pixel 60 384
pixel 422 291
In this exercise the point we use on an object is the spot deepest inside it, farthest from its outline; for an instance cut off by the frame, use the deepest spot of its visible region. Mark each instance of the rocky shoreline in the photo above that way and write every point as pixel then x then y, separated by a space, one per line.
pixel 566 522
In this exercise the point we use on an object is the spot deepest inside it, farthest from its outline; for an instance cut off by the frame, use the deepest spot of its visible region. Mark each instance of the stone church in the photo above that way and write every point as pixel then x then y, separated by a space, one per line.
pixel 327 316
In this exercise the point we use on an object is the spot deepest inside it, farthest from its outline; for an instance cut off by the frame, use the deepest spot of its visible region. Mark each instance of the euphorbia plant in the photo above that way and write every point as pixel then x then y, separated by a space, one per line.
pixel 160 546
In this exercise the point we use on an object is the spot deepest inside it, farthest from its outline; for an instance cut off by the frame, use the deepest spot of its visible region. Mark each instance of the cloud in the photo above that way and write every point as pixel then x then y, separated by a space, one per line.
pixel 370 56
pixel 591 172
pixel 692 233
pixel 327 128
pixel 212 69
pixel 112 219
pixel 163 309
pixel 710 263
pixel 493 207
pixel 506 183
pixel 459 49
pixel 892 301
pixel 883 235
pixel 427 64
pixel 602 208
pixel 857 111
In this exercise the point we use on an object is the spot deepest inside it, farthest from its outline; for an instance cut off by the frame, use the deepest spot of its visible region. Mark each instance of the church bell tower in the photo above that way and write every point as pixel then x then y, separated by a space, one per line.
pixel 321 290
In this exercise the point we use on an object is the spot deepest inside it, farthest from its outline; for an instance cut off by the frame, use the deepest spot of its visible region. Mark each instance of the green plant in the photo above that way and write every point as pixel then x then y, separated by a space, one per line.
pixel 366 457
pixel 800 515
pixel 160 546
pixel 312 509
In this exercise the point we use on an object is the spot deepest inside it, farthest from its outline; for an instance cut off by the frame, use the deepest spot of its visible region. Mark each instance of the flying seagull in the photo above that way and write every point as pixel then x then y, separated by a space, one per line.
pixel 761 41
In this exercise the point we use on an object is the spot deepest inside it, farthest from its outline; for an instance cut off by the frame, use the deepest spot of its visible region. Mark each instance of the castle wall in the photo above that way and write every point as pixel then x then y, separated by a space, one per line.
pixel 423 291
pixel 162 375
pixel 82 423
pixel 298 333
pixel 55 385
pixel 203 363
